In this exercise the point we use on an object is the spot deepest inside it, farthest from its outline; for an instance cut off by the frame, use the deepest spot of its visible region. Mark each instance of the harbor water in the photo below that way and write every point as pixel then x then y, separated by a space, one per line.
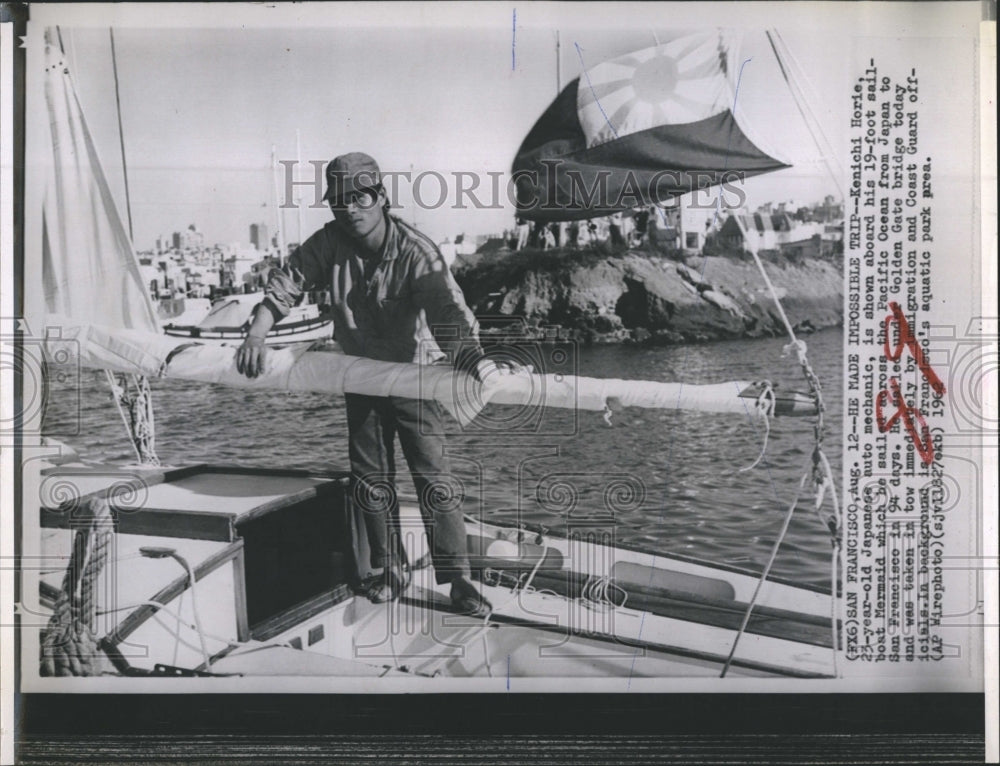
pixel 671 482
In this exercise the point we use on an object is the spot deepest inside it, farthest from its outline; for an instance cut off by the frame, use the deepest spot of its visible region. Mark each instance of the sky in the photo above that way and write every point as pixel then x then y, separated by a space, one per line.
pixel 203 104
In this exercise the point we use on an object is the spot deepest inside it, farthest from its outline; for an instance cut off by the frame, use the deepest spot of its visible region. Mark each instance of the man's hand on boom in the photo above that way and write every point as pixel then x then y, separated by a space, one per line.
pixel 250 356
pixel 487 369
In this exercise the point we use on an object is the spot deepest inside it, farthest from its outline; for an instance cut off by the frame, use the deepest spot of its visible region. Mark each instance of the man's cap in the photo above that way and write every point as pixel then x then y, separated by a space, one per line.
pixel 348 173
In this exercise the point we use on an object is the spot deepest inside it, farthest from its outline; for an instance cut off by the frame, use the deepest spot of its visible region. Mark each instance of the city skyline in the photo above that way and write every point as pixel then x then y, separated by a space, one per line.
pixel 178 242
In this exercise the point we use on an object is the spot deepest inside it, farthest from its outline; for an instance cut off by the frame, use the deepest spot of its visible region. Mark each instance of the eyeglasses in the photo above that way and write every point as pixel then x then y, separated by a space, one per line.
pixel 360 198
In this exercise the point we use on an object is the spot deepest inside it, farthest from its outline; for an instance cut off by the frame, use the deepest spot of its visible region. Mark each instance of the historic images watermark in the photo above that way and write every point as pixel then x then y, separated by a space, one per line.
pixel 550 191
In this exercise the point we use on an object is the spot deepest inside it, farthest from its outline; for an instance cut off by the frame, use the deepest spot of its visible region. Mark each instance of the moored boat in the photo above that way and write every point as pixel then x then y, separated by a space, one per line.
pixel 228 318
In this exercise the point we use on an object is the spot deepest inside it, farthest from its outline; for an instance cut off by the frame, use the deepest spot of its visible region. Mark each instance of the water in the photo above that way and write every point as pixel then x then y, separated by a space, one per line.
pixel 672 480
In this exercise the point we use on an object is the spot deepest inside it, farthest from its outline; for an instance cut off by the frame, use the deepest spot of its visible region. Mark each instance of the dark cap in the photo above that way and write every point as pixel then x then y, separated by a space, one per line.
pixel 350 172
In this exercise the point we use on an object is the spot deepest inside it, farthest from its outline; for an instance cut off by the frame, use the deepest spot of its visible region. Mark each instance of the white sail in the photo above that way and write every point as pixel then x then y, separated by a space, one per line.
pixel 88 267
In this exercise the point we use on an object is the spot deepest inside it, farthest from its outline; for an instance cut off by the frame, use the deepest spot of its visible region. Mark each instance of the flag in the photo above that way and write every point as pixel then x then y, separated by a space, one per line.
pixel 638 129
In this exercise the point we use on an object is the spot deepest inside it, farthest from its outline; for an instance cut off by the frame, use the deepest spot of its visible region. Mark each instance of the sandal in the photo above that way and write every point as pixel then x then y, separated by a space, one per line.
pixel 389 587
pixel 468 600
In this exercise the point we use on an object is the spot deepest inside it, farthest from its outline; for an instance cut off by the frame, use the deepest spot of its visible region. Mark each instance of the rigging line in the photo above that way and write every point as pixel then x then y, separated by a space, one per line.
pixel 161 607
pixel 777 301
pixel 764 574
pixel 806 118
pixel 118 394
pixel 821 465
pixel 121 135
pixel 837 605
pixel 194 611
pixel 826 154
pixel 177 634
pixel 71 53
pixel 142 432
pixel 809 96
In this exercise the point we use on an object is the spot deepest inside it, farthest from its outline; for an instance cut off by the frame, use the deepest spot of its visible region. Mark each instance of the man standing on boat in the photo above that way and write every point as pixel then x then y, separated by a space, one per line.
pixel 389 288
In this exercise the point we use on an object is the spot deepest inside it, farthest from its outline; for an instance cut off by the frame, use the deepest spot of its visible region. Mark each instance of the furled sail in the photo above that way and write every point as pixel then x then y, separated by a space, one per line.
pixel 298 369
pixel 642 128
pixel 293 368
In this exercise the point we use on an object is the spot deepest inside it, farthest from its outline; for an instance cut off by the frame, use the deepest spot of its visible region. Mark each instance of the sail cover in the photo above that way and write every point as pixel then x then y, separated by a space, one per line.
pixel 89 269
pixel 638 129
pixel 296 368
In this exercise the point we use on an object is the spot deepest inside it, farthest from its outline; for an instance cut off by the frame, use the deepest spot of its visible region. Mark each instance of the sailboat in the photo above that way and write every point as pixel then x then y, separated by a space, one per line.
pixel 229 317
pixel 223 571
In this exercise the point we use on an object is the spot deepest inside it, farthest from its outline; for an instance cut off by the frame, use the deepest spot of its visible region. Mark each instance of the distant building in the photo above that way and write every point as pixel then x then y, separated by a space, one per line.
pixel 190 239
pixel 779 231
pixel 258 236
pixel 238 268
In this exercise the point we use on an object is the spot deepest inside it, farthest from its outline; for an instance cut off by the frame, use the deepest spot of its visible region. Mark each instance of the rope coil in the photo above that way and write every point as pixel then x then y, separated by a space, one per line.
pixel 764 407
pixel 70 645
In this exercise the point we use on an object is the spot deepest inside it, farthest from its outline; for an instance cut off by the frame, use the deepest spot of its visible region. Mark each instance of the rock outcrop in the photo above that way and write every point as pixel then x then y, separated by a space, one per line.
pixel 641 297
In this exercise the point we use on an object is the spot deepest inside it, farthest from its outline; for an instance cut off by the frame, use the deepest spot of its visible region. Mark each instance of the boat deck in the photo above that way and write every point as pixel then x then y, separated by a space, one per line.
pixel 273 554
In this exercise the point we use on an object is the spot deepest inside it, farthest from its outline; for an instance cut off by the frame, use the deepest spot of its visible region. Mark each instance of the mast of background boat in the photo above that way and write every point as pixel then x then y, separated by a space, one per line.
pixel 135 406
pixel 298 165
pixel 278 211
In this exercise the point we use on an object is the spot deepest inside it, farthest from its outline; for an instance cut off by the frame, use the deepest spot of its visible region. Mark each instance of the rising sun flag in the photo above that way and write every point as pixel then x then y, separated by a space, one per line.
pixel 642 128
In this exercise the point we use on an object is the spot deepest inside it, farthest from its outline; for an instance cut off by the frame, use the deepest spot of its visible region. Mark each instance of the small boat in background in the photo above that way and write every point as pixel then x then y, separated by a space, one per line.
pixel 229 317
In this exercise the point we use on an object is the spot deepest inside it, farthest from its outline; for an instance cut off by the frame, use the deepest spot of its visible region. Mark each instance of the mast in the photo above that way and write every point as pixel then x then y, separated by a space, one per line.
pixel 298 164
pixel 135 404
pixel 121 134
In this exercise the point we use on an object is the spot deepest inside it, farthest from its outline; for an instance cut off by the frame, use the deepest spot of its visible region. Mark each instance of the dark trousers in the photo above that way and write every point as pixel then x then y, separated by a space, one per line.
pixel 373 423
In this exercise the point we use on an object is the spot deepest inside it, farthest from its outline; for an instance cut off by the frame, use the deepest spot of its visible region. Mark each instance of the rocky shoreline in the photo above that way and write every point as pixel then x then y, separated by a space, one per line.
pixel 635 296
